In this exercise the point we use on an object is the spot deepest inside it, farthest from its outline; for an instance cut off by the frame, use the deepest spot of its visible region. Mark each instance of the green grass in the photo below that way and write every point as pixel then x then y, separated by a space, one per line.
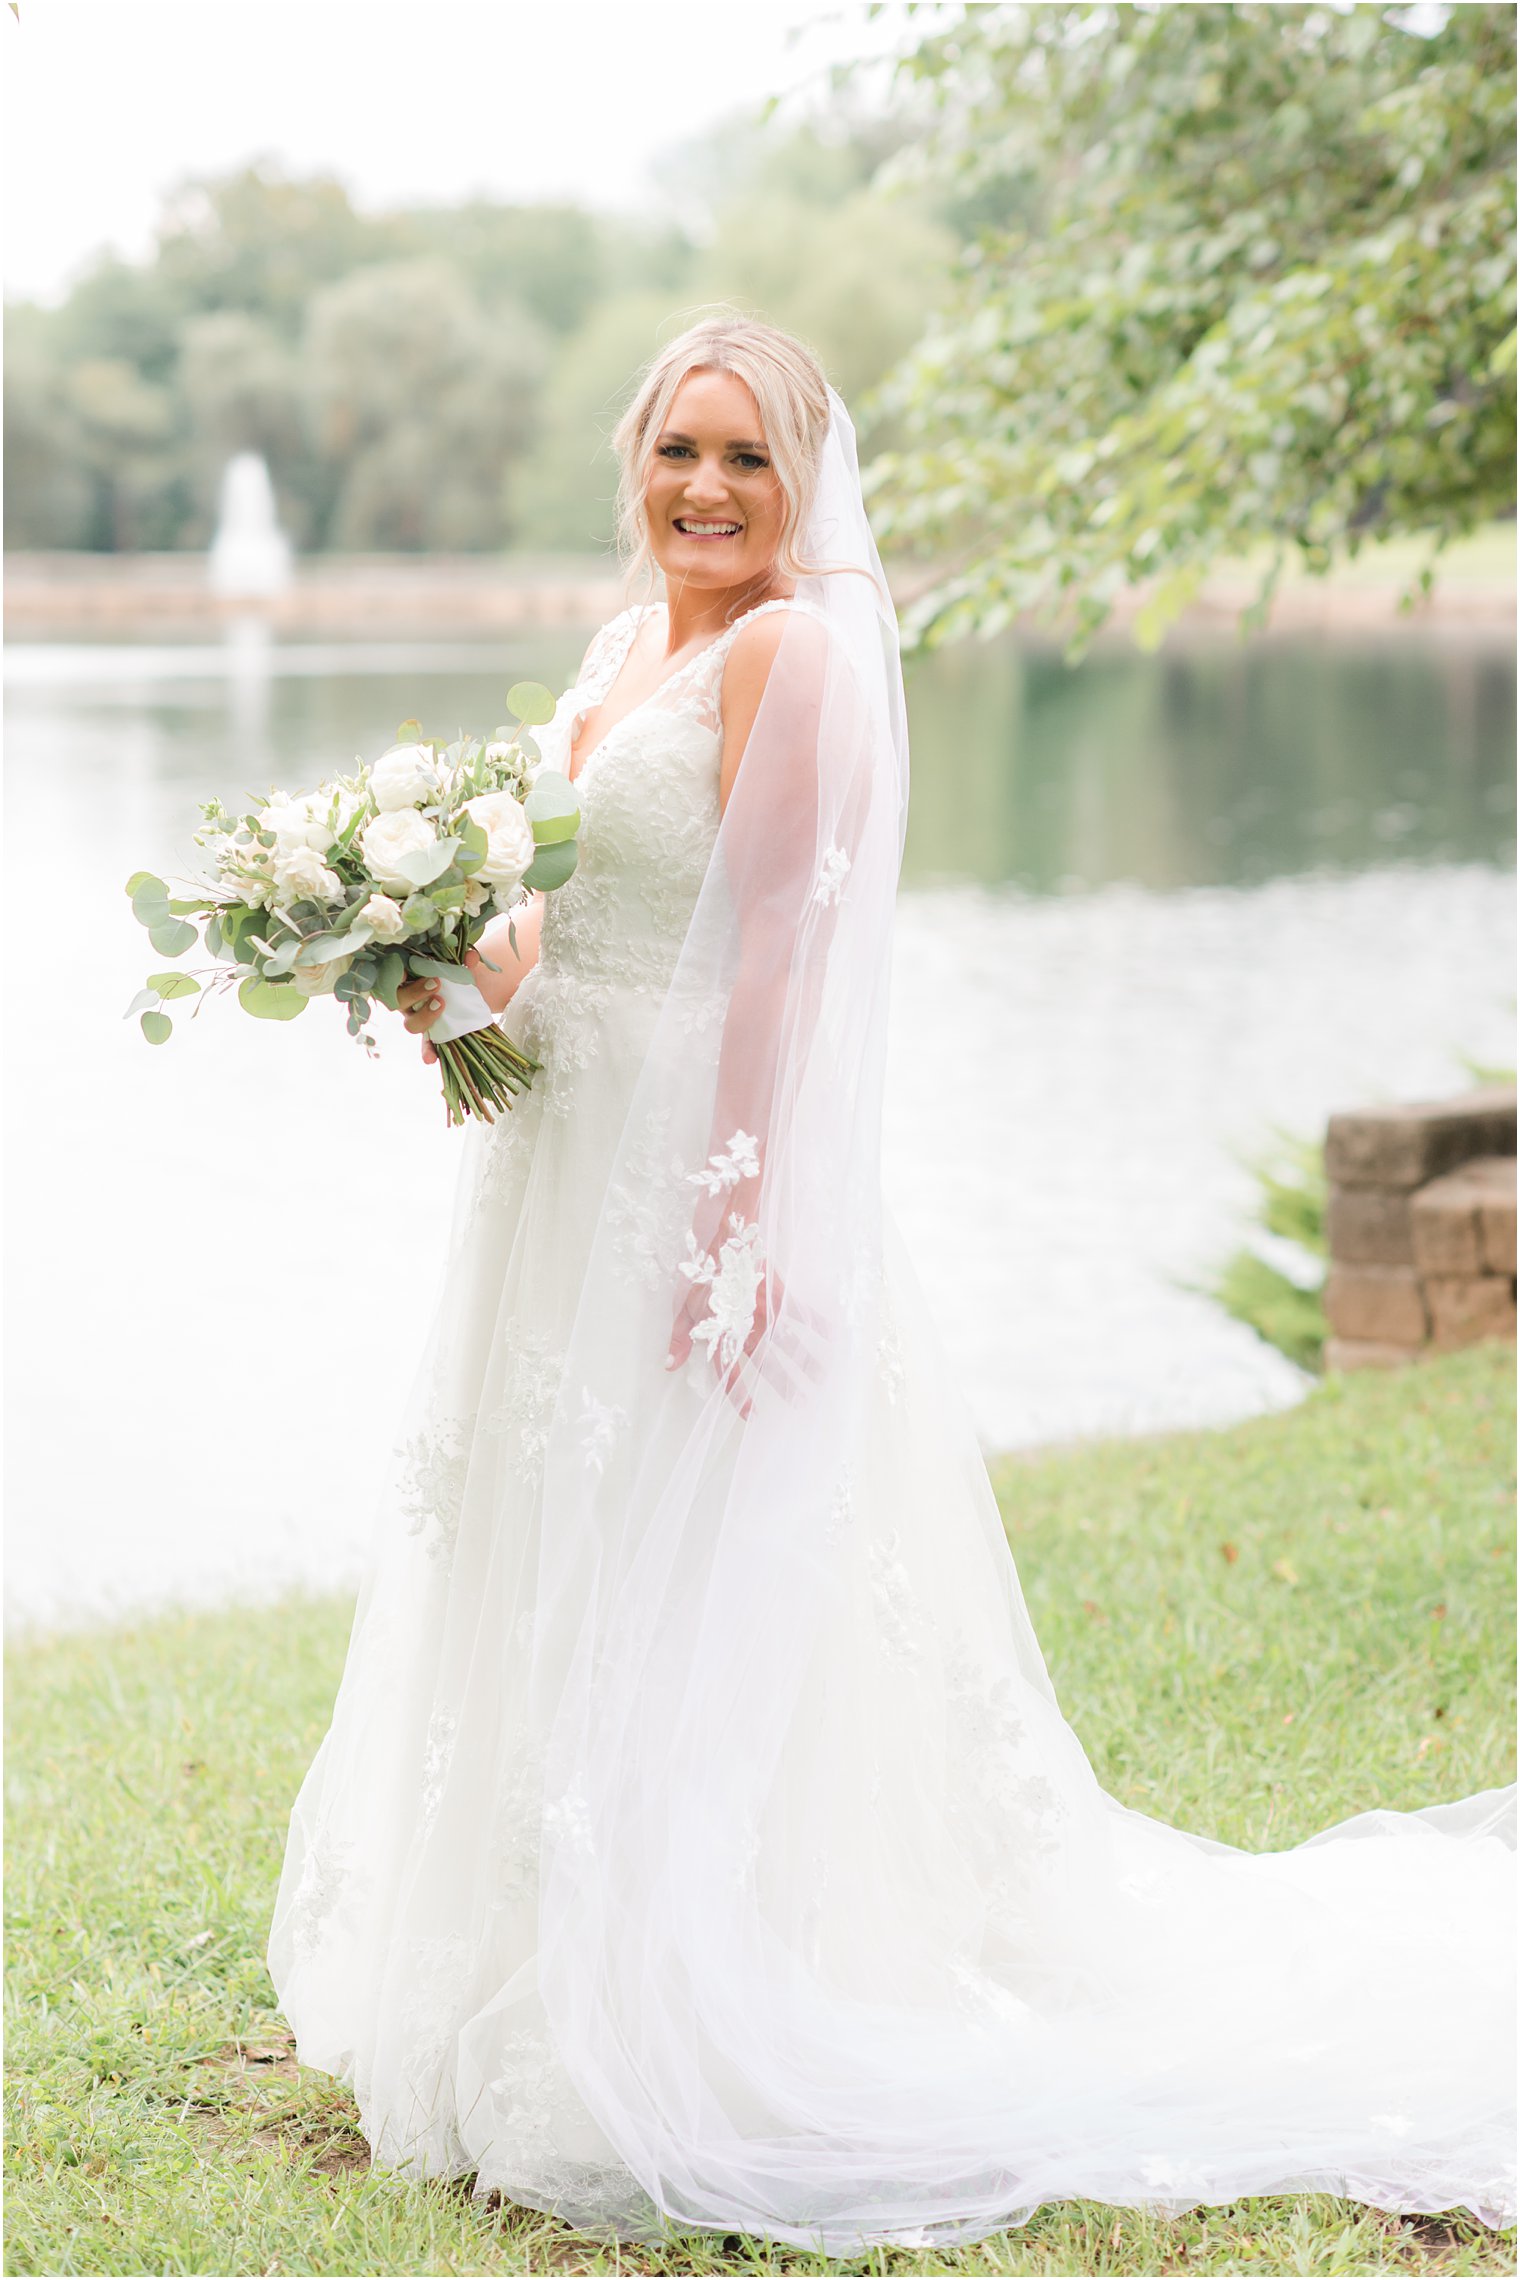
pixel 1255 1632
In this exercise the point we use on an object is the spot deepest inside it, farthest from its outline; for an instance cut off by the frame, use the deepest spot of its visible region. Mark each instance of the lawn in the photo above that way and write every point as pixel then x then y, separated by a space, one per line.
pixel 1255 1631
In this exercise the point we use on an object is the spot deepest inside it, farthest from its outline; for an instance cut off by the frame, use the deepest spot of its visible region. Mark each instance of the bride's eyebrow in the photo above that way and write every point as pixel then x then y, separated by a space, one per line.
pixel 674 435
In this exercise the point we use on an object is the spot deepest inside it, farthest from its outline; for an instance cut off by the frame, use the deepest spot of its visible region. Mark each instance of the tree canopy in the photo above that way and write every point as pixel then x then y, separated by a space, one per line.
pixel 1258 287
pixel 436 378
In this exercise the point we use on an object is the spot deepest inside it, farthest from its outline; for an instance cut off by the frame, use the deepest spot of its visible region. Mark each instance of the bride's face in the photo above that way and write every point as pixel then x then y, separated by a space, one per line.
pixel 714 500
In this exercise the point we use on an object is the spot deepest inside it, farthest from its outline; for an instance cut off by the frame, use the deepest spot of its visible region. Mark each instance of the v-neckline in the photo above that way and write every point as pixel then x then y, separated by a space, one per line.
pixel 579 714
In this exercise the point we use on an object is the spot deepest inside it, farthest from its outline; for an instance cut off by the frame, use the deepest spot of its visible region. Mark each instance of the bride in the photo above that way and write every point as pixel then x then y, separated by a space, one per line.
pixel 697 1840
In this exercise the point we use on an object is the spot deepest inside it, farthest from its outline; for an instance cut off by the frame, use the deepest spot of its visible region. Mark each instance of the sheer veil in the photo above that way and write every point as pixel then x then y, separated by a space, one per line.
pixel 838 1938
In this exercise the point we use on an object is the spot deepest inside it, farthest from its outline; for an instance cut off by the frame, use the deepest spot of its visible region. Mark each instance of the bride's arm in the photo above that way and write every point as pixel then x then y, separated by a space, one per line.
pixel 772 861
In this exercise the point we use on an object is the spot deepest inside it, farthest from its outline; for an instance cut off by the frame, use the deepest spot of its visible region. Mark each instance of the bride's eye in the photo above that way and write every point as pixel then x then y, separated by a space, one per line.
pixel 751 459
pixel 672 450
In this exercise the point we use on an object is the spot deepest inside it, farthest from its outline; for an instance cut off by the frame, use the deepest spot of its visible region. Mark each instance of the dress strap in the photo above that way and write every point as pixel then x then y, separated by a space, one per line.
pixel 609 647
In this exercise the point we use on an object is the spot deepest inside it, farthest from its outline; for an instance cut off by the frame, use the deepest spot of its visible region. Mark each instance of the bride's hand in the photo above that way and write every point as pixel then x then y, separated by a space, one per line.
pixel 419 1005
pixel 694 1308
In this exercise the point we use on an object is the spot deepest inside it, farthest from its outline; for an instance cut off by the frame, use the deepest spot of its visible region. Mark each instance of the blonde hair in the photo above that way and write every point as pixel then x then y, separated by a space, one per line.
pixel 788 385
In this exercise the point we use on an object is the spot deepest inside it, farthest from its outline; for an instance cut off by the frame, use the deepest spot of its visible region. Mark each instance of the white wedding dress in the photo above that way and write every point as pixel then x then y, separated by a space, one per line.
pixel 698 1841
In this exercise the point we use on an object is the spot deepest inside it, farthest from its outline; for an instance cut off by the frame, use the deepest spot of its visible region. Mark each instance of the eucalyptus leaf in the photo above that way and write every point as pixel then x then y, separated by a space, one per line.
pixel 174 985
pixel 552 808
pixel 426 864
pixel 270 1001
pixel 321 947
pixel 474 846
pixel 551 866
pixel 531 702
pixel 171 936
pixel 150 904
pixel 389 978
pixel 141 879
pixel 443 969
pixel 157 1028
pixel 142 999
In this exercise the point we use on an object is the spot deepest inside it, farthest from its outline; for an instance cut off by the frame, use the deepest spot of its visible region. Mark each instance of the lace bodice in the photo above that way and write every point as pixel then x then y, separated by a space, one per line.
pixel 649 811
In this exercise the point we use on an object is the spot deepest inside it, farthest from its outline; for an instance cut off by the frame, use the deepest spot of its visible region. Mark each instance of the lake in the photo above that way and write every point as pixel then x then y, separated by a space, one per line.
pixel 1153 908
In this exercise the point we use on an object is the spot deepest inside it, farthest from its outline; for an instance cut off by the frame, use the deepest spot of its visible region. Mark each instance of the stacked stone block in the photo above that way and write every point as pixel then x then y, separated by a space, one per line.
pixel 1421 1228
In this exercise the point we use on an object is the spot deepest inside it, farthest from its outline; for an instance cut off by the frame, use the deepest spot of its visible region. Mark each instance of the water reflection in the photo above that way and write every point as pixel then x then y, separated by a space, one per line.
pixel 1211 767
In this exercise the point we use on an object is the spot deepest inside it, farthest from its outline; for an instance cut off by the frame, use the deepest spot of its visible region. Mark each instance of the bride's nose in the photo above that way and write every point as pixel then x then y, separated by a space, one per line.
pixel 708 487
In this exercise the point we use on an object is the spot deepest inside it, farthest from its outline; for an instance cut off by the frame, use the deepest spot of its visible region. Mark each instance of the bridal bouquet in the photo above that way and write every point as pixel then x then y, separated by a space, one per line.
pixel 351 890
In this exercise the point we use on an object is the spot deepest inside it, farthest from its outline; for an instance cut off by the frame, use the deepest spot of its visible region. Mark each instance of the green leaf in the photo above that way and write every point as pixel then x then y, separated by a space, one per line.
pixel 420 913
pixel 410 732
pixel 171 936
pixel 531 702
pixel 474 846
pixel 157 1028
pixel 143 998
pixel 321 947
pixel 215 939
pixel 443 969
pixel 141 879
pixel 551 866
pixel 552 808
pixel 270 1001
pixel 174 985
pixel 421 868
pixel 389 976
pixel 183 905
pixel 150 904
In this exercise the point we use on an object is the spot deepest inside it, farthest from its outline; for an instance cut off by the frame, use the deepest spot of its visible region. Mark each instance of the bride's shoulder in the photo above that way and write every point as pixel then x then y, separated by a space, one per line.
pixel 757 644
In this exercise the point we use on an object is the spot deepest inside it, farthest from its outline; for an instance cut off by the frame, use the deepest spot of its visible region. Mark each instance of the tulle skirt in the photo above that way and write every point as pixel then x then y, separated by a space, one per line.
pixel 885 1963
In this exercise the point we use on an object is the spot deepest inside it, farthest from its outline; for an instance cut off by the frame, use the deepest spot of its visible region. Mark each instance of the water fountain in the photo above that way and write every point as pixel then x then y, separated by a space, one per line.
pixel 250 554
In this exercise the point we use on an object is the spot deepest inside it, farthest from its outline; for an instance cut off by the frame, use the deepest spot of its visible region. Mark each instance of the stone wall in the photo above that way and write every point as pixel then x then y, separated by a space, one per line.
pixel 1421 1228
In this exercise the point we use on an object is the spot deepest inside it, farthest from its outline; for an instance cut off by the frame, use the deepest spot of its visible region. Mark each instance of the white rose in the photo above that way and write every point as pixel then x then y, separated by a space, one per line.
pixel 317 981
pixel 509 837
pixel 383 917
pixel 382 842
pixel 297 822
pixel 300 872
pixel 404 777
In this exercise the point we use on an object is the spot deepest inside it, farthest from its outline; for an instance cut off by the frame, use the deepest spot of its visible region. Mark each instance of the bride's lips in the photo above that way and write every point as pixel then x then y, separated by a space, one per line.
pixel 706 527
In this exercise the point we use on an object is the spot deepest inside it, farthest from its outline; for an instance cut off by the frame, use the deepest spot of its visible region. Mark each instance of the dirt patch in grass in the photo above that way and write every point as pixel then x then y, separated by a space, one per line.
pixel 258 2079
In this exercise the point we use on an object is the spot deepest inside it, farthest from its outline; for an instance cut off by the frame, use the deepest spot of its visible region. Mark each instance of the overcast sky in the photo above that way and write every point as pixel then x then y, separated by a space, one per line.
pixel 105 103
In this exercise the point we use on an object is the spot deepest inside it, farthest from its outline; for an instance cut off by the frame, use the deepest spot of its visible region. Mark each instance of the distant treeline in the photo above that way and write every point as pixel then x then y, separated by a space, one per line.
pixel 436 378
